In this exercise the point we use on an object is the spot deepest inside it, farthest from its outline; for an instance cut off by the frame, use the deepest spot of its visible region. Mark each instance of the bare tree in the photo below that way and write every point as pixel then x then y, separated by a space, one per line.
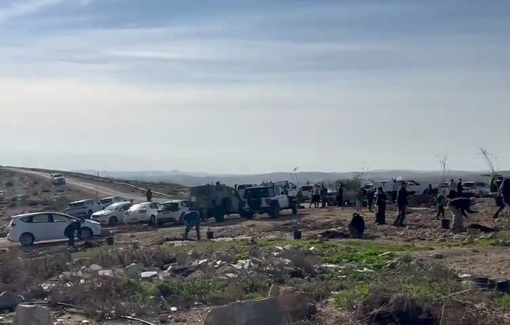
pixel 488 160
pixel 443 162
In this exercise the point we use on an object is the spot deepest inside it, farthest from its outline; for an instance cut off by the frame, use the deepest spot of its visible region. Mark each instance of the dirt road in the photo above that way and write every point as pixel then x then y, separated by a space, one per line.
pixel 88 186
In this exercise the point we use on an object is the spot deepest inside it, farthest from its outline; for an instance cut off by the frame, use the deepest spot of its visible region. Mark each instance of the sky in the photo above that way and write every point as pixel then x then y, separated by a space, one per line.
pixel 253 86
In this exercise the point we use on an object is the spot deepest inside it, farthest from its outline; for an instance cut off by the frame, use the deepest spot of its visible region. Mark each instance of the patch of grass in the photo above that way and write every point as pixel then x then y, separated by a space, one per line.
pixel 503 301
pixel 348 298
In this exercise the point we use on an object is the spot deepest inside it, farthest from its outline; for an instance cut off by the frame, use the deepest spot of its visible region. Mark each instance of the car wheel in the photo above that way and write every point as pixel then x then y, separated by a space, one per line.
pixel 113 221
pixel 26 239
pixel 152 220
pixel 85 233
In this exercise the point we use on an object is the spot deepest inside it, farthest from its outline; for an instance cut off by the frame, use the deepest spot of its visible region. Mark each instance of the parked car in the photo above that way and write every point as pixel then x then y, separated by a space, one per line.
pixel 172 211
pixel 112 214
pixel 306 190
pixel 104 202
pixel 83 208
pixel 57 179
pixel 145 212
pixel 477 188
pixel 41 226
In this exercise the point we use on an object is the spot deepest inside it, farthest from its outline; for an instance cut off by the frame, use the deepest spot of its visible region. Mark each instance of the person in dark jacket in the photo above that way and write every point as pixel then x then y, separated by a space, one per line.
pixel 340 196
pixel 503 196
pixel 148 194
pixel 441 203
pixel 324 195
pixel 458 207
pixel 357 226
pixel 72 230
pixel 460 188
pixel 380 217
pixel 192 220
pixel 370 199
pixel 402 204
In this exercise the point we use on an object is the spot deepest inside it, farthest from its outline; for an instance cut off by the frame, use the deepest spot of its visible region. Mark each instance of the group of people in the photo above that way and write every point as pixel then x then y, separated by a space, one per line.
pixel 319 195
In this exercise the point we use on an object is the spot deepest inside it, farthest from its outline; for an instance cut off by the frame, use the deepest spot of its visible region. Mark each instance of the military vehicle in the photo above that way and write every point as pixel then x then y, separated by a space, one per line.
pixel 215 201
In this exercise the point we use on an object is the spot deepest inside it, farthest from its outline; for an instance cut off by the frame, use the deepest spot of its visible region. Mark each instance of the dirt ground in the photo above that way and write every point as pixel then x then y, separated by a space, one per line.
pixel 423 239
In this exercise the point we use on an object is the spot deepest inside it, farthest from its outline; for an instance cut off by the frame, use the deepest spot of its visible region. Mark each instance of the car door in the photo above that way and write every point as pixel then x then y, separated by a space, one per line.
pixel 281 197
pixel 41 227
pixel 153 210
pixel 59 224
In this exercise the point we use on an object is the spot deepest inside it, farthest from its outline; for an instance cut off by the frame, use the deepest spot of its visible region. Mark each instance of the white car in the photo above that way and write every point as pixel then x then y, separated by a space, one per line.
pixel 57 179
pixel 40 226
pixel 145 212
pixel 306 191
pixel 172 211
pixel 476 188
pixel 112 214
pixel 107 201
pixel 83 208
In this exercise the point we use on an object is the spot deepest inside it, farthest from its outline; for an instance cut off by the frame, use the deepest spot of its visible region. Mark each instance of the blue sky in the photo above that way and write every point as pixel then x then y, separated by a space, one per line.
pixel 246 86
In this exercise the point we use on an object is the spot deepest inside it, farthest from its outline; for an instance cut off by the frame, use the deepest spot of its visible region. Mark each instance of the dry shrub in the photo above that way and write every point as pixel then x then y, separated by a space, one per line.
pixel 19 274
pixel 158 257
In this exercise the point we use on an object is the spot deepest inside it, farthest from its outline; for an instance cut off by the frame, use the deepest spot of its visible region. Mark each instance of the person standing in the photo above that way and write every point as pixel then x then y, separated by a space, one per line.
pixel 316 196
pixel 360 196
pixel 148 194
pixel 370 199
pixel 324 195
pixel 192 220
pixel 458 207
pixel 394 188
pixel 441 202
pixel 402 204
pixel 453 188
pixel 380 217
pixel 71 230
pixel 340 196
pixel 460 188
pixel 504 195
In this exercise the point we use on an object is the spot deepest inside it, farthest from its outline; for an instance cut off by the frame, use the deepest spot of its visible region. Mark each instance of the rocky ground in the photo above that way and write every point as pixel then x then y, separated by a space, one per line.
pixel 420 274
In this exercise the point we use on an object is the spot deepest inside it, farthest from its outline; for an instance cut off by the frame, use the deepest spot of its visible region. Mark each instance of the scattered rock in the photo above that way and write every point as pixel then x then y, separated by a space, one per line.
pixel 106 273
pixel 163 319
pixel 149 276
pixel 266 311
pixel 32 315
pixel 196 275
pixel 9 301
pixel 223 256
pixel 134 270
pixel 95 268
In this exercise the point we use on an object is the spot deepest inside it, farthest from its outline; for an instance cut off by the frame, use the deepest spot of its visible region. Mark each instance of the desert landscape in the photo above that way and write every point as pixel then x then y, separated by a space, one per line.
pixel 420 274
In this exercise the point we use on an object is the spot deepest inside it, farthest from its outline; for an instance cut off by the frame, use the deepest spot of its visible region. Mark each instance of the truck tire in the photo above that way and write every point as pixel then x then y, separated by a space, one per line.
pixel 274 210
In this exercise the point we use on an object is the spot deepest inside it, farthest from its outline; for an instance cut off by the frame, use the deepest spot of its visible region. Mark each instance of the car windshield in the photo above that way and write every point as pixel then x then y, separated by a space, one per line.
pixel 112 207
pixel 468 184
pixel 172 206
pixel 76 204
pixel 105 201
pixel 259 192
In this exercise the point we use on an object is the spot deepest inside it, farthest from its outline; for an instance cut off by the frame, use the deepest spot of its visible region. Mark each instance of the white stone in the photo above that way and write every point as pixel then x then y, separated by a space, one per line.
pixel 106 273
pixel 95 268
pixel 149 275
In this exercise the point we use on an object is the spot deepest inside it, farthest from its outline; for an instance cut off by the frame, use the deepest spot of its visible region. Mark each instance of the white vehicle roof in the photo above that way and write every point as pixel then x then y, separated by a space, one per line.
pixel 18 216
pixel 81 201
pixel 118 204
pixel 140 205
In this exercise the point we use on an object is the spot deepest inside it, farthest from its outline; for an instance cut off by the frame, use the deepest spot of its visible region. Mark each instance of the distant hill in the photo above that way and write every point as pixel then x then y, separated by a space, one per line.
pixel 194 179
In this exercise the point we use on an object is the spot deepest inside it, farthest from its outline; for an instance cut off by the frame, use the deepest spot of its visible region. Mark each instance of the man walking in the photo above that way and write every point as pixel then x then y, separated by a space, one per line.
pixel 380 217
pixel 460 188
pixel 148 194
pixel 504 195
pixel 453 188
pixel 370 199
pixel 441 202
pixel 402 204
pixel 458 207
pixel 192 220
pixel 340 196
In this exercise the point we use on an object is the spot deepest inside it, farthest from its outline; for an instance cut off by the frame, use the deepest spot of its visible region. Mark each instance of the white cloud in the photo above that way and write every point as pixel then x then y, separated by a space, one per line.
pixel 26 7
